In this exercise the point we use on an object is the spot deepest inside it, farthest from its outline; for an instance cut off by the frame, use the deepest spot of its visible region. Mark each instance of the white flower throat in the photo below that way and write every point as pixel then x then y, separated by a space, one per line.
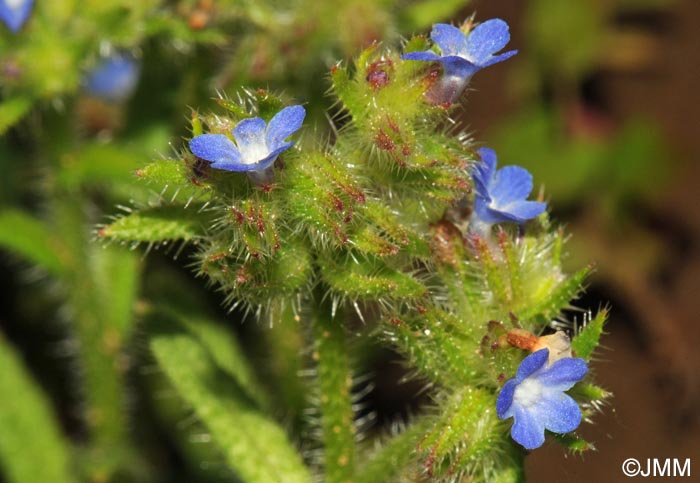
pixel 15 4
pixel 528 392
pixel 254 150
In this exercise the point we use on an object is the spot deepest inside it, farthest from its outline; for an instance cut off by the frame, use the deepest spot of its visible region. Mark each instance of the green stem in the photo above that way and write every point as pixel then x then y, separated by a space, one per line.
pixel 99 340
pixel 335 399
pixel 283 345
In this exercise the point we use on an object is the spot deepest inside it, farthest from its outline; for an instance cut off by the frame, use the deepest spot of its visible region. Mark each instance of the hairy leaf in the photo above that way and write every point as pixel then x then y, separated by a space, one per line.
pixel 12 111
pixel 159 224
pixel 588 339
pixel 31 239
pixel 251 443
pixel 29 427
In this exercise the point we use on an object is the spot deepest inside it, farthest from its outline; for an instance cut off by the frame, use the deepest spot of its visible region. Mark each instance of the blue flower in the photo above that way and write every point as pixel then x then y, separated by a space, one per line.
pixel 536 401
pixel 15 12
pixel 114 79
pixel 257 144
pixel 501 196
pixel 464 55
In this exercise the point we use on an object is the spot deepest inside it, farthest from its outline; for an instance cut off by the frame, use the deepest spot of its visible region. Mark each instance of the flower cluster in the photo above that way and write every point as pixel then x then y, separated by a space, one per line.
pixel 257 144
pixel 14 13
pixel 535 398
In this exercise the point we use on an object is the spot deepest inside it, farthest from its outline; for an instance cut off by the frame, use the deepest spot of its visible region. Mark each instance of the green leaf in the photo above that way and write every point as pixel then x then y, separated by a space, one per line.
pixel 12 111
pixel 588 339
pixel 29 427
pixel 223 348
pixel 466 435
pixel 252 444
pixel 29 238
pixel 159 224
pixel 558 298
pixel 370 279
pixel 437 343
pixel 589 392
pixel 165 172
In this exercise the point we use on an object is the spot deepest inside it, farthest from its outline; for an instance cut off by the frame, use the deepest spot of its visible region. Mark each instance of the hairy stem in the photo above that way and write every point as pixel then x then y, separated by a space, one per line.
pixel 335 400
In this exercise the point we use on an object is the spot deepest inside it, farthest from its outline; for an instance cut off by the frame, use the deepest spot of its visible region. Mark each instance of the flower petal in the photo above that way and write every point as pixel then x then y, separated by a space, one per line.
pixel 498 58
pixel 249 132
pixel 486 39
pixel 487 215
pixel 532 363
pixel 457 66
pixel 521 211
pixel 428 55
pixel 564 373
pixel 450 39
pixel 527 429
pixel 264 163
pixel 233 165
pixel 282 147
pixel 505 399
pixel 557 411
pixel 512 183
pixel 15 15
pixel 484 171
pixel 284 124
pixel 217 148
pixel 488 157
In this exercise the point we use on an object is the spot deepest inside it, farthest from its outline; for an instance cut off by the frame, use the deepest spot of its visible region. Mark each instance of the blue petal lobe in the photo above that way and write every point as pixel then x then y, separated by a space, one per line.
pixel 231 165
pixel 238 166
pixel 558 412
pixel 484 171
pixel 564 373
pixel 450 39
pixel 281 147
pixel 521 211
pixel 264 163
pixel 486 39
pixel 248 132
pixel 284 124
pixel 487 215
pixel 512 183
pixel 480 185
pixel 15 17
pixel 489 159
pixel 532 363
pixel 216 148
pixel 498 58
pixel 527 429
pixel 427 55
pixel 505 399
pixel 458 67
